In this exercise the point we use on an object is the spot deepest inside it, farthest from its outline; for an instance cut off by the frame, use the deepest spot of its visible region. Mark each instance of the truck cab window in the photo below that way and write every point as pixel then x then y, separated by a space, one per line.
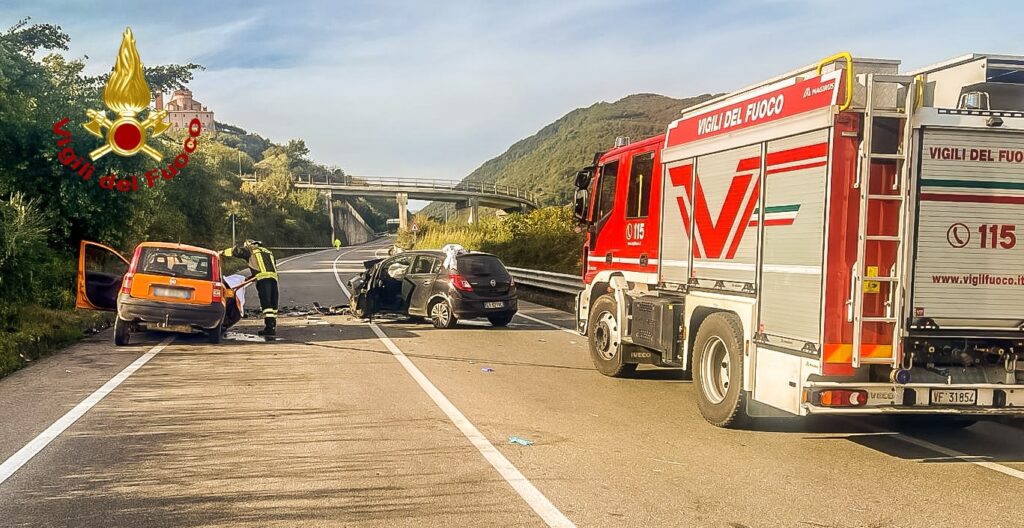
pixel 606 190
pixel 638 196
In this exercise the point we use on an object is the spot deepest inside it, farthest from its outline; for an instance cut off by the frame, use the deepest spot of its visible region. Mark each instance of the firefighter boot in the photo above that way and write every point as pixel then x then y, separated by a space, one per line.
pixel 269 327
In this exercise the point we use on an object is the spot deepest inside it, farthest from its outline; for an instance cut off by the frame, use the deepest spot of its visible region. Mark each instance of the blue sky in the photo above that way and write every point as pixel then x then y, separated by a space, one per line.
pixel 433 89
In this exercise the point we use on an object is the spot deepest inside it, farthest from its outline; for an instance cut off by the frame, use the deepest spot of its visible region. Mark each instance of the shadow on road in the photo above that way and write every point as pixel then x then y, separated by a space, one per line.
pixel 240 434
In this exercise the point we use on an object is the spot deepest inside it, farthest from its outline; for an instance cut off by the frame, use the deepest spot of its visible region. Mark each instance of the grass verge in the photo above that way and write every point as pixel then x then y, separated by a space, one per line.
pixel 30 332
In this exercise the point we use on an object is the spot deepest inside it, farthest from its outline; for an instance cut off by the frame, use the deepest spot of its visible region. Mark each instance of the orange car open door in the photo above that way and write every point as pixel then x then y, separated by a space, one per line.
pixel 100 271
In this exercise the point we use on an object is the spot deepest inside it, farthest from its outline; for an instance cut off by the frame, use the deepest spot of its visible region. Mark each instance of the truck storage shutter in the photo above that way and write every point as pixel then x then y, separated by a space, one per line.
pixel 675 228
pixel 725 192
pixel 969 266
pixel 793 222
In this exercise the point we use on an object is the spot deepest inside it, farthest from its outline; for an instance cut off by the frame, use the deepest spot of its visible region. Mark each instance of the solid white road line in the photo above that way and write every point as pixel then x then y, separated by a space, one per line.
pixel 540 504
pixel 285 261
pixel 334 267
pixel 1016 473
pixel 12 464
pixel 545 323
pixel 1009 471
pixel 536 500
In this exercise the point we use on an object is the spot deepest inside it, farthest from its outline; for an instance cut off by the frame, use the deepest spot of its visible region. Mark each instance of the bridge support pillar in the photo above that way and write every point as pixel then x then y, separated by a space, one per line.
pixel 473 207
pixel 330 213
pixel 403 211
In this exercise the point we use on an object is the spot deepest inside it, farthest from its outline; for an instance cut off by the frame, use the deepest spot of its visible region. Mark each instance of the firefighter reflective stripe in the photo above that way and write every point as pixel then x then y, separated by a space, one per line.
pixel 264 261
pixel 270 313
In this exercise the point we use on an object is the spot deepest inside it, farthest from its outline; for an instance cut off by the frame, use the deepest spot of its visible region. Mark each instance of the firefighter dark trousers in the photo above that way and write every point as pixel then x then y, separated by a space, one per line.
pixel 267 290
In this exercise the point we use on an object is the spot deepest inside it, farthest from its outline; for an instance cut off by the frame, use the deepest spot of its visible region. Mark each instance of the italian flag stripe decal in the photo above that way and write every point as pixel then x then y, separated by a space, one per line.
pixel 1003 191
pixel 776 215
pixel 974 184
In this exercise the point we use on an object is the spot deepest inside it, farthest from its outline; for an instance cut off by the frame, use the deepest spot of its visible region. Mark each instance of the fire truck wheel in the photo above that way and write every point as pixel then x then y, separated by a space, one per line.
pixel 718 370
pixel 606 340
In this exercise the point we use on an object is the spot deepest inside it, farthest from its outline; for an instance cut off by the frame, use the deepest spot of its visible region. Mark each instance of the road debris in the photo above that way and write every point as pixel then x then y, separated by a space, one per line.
pixel 315 309
pixel 487 369
pixel 519 441
pixel 239 336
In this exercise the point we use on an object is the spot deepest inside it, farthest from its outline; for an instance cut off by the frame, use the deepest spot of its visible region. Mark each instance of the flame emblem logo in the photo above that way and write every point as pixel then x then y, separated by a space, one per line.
pixel 126 94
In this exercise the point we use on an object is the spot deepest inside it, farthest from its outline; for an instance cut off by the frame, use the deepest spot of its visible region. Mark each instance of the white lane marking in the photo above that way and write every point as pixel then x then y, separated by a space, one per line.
pixel 302 271
pixel 545 323
pixel 285 261
pixel 31 449
pixel 334 266
pixel 973 459
pixel 540 504
pixel 537 501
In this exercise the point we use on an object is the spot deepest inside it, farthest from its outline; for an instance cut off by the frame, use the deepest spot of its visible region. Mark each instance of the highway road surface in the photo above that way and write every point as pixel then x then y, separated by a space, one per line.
pixel 344 423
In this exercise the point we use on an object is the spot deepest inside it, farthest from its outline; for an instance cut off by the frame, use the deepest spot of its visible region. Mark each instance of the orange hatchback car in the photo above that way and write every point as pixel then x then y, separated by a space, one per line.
pixel 166 286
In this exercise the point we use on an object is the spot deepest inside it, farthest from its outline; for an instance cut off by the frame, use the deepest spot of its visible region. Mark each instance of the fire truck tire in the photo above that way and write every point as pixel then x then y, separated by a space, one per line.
pixel 606 349
pixel 718 370
pixel 122 332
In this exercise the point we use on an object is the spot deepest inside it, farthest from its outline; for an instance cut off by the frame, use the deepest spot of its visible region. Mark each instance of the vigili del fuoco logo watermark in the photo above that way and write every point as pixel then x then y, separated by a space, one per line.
pixel 126 95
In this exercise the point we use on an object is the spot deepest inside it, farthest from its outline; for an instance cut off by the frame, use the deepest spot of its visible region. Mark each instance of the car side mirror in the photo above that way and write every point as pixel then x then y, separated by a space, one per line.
pixel 580 205
pixel 583 178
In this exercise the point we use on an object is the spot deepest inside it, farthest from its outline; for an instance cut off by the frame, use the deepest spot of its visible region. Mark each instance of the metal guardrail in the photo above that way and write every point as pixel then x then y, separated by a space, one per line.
pixel 547 280
pixel 418 183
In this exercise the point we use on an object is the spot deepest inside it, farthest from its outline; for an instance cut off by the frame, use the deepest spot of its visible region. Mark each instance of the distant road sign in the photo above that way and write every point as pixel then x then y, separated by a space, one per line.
pixel 393 221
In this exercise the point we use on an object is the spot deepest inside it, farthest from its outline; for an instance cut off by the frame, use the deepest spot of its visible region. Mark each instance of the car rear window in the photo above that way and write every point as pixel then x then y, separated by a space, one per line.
pixel 481 266
pixel 175 263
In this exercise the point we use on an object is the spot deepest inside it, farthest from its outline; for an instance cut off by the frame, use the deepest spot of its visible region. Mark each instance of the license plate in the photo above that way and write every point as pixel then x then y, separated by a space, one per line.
pixel 954 397
pixel 176 293
pixel 496 304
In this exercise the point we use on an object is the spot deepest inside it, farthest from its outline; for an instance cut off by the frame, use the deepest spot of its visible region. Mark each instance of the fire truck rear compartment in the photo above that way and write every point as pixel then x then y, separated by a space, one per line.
pixel 959 360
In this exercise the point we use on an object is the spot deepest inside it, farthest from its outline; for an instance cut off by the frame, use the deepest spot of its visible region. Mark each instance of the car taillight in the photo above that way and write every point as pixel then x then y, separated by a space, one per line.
pixel 126 284
pixel 132 268
pixel 459 282
pixel 218 292
pixel 843 398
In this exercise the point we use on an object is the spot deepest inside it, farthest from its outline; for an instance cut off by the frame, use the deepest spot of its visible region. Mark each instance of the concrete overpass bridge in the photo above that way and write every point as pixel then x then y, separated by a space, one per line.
pixel 465 195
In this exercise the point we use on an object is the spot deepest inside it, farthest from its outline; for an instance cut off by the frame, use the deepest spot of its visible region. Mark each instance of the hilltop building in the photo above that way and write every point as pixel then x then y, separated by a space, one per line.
pixel 182 109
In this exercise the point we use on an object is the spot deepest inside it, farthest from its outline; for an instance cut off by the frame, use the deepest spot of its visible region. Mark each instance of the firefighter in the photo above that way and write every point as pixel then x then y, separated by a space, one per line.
pixel 337 244
pixel 261 263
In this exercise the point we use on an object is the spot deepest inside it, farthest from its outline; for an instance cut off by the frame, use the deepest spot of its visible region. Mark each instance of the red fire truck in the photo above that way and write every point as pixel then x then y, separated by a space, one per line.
pixel 837 240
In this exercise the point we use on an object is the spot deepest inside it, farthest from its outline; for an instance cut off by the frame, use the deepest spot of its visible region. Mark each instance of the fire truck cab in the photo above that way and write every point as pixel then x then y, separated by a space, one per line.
pixel 840 239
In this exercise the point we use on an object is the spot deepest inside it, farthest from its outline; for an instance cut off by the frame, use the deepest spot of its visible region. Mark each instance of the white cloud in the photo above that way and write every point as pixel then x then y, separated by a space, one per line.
pixel 433 89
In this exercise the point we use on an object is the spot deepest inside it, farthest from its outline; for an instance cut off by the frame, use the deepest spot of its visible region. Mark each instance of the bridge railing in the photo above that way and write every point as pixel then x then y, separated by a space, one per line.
pixel 418 183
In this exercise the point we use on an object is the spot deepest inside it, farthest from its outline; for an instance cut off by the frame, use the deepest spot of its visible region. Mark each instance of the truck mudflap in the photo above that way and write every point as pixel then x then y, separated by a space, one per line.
pixel 913 398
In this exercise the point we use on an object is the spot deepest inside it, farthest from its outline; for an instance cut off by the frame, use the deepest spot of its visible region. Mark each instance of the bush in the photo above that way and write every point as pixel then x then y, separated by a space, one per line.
pixel 29 332
pixel 544 239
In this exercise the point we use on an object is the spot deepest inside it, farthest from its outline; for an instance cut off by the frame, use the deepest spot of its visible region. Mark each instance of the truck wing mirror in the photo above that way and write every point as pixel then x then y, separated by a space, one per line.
pixel 583 178
pixel 581 204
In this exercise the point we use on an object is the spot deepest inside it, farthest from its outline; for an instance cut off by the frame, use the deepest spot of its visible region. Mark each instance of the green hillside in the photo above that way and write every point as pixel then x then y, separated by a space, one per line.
pixel 547 161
